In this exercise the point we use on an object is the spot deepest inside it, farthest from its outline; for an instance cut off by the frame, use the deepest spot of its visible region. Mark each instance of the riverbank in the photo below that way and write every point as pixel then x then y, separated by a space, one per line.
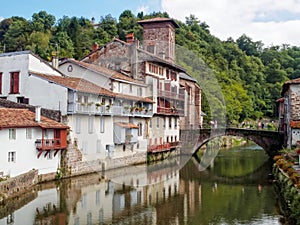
pixel 287 185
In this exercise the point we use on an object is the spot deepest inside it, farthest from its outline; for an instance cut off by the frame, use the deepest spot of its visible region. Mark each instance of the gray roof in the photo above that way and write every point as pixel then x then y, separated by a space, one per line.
pixel 15 53
pixel 187 77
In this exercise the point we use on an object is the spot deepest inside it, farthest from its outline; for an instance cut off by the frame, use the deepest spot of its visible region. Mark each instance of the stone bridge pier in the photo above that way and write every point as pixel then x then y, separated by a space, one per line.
pixel 270 141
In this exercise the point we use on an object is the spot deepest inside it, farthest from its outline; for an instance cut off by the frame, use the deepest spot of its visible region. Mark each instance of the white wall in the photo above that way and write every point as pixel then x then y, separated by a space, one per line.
pixel 39 92
pixel 86 74
pixel 47 95
pixel 26 153
pixel 87 142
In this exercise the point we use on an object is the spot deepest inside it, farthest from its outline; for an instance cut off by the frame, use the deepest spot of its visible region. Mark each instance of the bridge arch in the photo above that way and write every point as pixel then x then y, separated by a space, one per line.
pixel 270 141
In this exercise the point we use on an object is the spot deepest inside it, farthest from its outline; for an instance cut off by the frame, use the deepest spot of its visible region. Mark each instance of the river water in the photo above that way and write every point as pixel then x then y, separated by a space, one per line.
pixel 234 189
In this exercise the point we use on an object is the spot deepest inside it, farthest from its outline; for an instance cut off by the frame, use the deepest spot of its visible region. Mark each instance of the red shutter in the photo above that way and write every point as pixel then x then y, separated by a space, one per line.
pixel 14 83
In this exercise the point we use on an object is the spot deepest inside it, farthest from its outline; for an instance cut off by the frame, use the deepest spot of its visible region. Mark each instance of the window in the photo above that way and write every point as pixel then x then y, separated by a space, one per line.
pixel 157 122
pixel 0 83
pixel 14 83
pixel 28 133
pixel 12 157
pixel 140 92
pixel 12 134
pixel 91 124
pixel 102 124
pixel 170 122
pixel 130 88
pixel 140 129
pixel 150 122
pixel 85 99
pixel 97 197
pixel 78 125
pixel 175 123
pixel 98 149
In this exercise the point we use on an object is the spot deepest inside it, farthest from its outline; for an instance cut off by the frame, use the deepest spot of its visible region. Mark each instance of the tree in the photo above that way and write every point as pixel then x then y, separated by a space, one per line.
pixel 16 37
pixel 42 21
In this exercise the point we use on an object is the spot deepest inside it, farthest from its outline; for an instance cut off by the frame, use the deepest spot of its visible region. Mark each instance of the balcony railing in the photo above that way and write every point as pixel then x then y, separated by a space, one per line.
pixel 171 95
pixel 158 148
pixel 170 111
pixel 49 144
pixel 109 110
pixel 163 147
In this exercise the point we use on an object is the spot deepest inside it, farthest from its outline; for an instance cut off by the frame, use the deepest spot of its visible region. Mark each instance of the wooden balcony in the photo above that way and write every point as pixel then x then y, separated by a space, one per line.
pixel 170 111
pixel 171 95
pixel 163 147
pixel 158 148
pixel 49 144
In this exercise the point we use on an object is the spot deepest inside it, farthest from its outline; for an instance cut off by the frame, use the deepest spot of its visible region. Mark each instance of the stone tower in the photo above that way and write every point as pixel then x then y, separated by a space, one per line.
pixel 159 37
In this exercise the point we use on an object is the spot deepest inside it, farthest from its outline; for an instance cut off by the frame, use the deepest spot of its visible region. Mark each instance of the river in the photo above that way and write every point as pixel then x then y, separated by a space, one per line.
pixel 234 189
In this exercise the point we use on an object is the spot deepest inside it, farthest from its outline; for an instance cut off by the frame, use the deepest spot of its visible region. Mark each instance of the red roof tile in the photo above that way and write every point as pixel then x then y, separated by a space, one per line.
pixel 14 118
pixel 131 97
pixel 103 70
pixel 78 84
pixel 158 20
pixel 295 124
pixel 126 125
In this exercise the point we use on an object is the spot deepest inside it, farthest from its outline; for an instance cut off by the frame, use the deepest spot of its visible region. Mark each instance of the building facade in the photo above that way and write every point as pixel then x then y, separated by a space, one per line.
pixel 289 112
pixel 30 141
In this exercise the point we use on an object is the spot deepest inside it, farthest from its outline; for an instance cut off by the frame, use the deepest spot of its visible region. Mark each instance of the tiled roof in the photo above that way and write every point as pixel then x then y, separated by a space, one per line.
pixel 126 125
pixel 132 97
pixel 103 70
pixel 77 84
pixel 288 83
pixel 14 118
pixel 295 124
pixel 158 20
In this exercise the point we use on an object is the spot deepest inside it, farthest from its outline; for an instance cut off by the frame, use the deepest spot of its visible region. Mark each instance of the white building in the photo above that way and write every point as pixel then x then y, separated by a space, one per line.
pixel 29 141
pixel 130 108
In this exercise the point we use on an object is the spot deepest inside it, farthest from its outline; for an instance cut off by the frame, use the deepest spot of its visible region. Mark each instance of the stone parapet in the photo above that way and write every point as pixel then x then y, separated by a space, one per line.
pixel 18 185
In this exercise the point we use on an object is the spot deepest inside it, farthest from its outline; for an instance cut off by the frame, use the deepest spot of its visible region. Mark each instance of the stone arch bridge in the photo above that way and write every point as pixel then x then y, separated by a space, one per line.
pixel 270 141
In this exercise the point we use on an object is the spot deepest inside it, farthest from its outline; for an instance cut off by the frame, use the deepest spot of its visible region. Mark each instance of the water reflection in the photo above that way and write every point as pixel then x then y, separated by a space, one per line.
pixel 173 195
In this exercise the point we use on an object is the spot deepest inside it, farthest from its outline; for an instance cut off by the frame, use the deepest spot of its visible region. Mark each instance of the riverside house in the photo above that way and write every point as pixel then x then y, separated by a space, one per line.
pixel 289 108
pixel 29 141
pixel 153 63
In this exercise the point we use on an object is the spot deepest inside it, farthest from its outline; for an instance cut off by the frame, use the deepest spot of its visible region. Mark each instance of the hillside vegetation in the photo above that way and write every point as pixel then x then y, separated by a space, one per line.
pixel 249 74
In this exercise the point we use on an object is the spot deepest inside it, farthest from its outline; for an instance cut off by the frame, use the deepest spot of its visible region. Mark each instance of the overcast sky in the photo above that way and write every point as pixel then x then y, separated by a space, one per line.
pixel 274 22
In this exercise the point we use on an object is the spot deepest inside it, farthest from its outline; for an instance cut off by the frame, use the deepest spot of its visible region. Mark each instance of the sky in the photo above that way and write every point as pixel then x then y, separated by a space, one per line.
pixel 274 22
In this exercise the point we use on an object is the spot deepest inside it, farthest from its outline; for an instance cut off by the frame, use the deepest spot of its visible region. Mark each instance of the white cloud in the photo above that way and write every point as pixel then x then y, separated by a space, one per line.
pixel 232 18
pixel 143 9
pixel 1 18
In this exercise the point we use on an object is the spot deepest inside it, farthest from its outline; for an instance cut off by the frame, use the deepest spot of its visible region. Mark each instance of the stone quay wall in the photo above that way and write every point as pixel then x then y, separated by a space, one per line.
pixel 18 185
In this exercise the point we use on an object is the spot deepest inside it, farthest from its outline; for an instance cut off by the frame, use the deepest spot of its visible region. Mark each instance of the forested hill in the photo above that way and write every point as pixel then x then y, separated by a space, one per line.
pixel 249 74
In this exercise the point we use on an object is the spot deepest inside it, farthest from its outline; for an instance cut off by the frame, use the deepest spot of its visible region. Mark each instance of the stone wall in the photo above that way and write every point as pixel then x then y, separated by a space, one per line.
pixel 72 164
pixel 18 185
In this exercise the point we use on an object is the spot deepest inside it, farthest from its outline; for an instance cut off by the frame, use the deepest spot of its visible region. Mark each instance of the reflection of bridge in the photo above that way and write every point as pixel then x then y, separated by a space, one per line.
pixel 270 141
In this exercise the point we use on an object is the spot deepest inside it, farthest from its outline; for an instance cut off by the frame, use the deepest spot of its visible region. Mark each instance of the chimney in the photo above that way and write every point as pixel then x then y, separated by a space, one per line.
pixel 130 38
pixel 38 114
pixel 95 46
pixel 55 62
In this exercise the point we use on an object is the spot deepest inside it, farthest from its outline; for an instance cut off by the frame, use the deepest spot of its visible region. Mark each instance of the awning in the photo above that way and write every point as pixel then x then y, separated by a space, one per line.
pixel 126 125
